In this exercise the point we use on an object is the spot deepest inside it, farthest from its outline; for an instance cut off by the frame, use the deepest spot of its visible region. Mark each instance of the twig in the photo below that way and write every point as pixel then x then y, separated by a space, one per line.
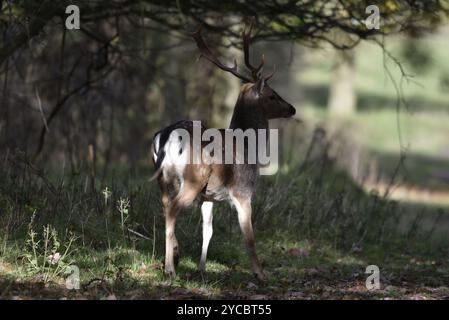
pixel 138 234
pixel 39 104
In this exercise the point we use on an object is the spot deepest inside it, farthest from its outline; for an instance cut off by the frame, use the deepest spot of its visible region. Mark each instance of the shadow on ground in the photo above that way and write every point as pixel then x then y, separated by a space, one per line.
pixel 311 272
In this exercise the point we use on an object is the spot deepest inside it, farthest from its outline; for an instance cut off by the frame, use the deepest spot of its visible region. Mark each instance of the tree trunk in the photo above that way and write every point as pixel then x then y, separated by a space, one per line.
pixel 342 96
pixel 174 87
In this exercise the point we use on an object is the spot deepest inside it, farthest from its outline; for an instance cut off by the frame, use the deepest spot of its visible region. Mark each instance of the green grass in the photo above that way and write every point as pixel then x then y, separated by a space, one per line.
pixel 321 273
pixel 315 237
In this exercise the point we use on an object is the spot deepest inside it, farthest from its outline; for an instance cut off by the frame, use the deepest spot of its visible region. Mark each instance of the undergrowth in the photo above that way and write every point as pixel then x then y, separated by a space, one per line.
pixel 115 230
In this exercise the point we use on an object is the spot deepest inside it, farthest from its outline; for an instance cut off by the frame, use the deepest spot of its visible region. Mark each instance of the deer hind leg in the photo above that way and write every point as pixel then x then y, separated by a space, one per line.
pixel 171 251
pixel 185 197
pixel 243 206
pixel 206 212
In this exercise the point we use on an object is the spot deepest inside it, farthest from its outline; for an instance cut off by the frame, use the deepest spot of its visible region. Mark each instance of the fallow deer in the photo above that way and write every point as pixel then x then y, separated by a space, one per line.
pixel 181 181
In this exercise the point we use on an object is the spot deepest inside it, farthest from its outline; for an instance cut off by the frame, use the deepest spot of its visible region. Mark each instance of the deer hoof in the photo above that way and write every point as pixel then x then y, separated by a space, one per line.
pixel 170 273
pixel 201 267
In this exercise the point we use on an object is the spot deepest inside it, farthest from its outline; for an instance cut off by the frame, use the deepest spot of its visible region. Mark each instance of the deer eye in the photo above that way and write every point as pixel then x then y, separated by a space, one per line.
pixel 272 97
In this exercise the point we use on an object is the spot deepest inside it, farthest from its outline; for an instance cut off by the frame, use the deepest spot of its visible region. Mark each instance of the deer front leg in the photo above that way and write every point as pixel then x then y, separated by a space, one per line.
pixel 206 212
pixel 243 206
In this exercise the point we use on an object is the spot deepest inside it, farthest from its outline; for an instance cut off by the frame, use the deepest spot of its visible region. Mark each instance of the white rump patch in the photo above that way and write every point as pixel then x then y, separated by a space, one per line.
pixel 177 152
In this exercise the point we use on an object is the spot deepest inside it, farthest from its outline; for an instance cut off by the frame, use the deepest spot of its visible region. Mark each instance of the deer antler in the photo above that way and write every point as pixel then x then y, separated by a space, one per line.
pixel 271 74
pixel 255 71
pixel 206 53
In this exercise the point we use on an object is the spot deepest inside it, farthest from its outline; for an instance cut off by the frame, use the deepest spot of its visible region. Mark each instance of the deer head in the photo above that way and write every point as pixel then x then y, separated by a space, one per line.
pixel 255 91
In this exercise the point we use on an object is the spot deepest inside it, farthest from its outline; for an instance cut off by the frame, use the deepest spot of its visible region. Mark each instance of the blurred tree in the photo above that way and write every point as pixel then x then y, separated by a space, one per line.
pixel 417 55
pixel 308 21
pixel 106 85
pixel 342 97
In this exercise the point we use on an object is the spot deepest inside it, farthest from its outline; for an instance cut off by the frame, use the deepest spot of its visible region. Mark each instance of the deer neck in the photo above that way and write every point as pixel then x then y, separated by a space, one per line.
pixel 247 115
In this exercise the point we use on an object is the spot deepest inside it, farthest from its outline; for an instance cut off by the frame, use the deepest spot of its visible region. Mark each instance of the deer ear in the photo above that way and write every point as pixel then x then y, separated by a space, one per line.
pixel 260 85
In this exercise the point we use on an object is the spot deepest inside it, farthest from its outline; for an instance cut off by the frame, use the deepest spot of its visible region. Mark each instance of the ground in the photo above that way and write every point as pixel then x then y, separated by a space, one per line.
pixel 302 272
pixel 315 246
